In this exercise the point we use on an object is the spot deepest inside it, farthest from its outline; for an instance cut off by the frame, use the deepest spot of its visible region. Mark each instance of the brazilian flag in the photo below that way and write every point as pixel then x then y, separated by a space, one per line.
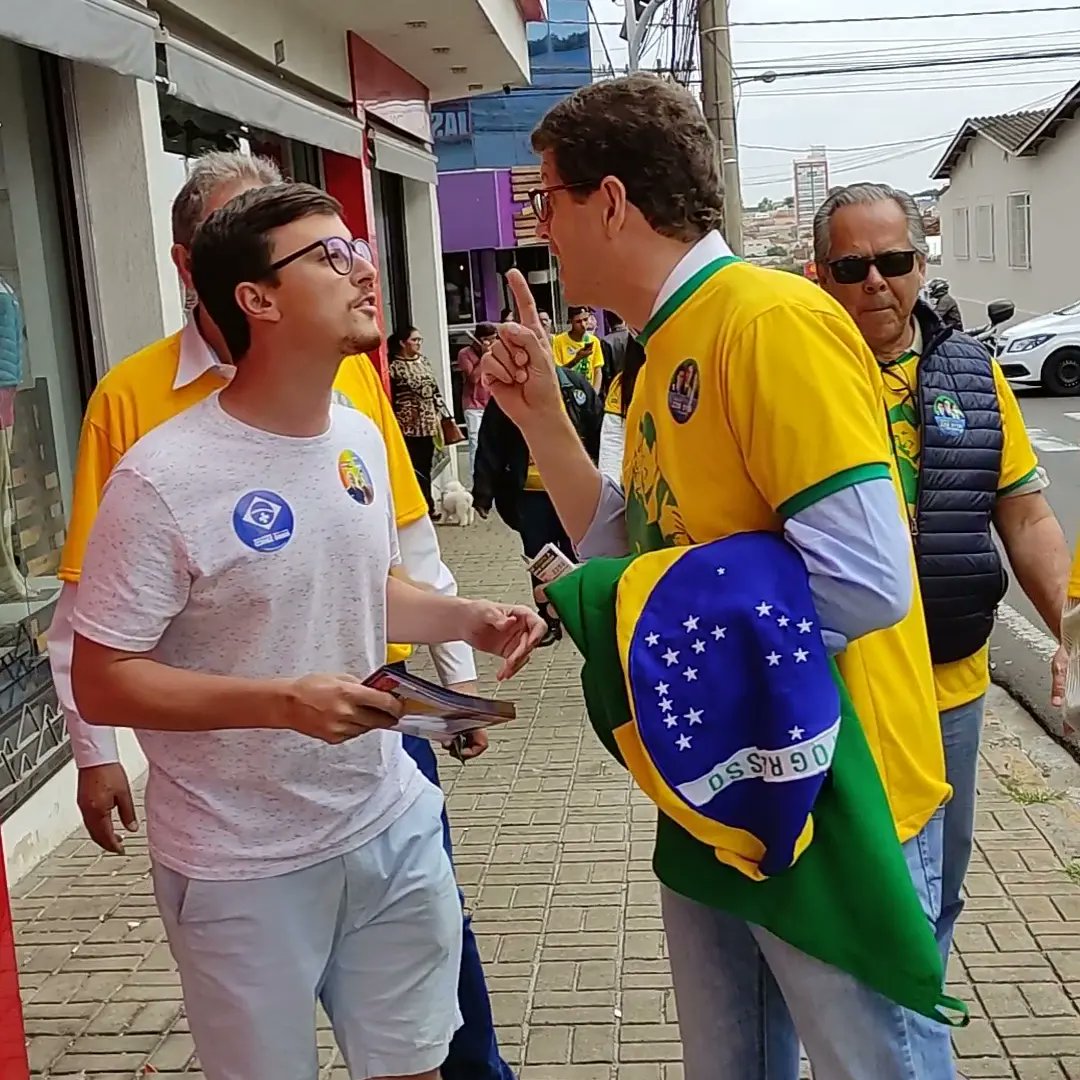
pixel 705 675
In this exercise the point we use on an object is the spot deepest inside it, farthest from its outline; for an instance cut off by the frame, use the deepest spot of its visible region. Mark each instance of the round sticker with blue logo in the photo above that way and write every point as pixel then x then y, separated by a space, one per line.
pixel 948 416
pixel 355 478
pixel 579 396
pixel 263 520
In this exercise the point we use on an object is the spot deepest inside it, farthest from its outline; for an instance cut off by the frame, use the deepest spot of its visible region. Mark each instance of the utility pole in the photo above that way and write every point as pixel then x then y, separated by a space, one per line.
pixel 718 102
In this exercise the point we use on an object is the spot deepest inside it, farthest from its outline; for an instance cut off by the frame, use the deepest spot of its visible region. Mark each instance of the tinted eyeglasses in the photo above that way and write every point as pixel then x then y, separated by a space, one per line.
pixel 340 253
pixel 540 199
pixel 852 269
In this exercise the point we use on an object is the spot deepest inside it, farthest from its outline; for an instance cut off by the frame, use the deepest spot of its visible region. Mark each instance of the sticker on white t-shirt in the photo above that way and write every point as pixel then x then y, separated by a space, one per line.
pixel 356 477
pixel 263 520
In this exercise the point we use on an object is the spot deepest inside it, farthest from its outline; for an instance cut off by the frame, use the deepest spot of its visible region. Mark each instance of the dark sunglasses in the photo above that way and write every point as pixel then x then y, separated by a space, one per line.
pixel 540 199
pixel 340 253
pixel 855 268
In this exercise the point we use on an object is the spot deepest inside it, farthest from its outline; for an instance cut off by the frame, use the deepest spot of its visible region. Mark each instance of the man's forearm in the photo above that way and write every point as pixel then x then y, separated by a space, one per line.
pixel 571 480
pixel 90 746
pixel 1038 553
pixel 129 690
pixel 421 560
pixel 421 617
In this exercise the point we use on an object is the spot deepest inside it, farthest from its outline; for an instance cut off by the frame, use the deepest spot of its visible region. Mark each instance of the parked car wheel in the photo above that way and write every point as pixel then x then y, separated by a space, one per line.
pixel 1061 372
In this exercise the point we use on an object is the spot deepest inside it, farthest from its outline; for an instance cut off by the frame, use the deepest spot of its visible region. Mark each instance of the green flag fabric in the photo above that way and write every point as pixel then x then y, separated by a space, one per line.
pixel 843 893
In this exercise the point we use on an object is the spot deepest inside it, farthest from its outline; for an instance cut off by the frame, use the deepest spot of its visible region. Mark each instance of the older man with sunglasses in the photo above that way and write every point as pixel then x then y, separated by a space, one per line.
pixel 965 462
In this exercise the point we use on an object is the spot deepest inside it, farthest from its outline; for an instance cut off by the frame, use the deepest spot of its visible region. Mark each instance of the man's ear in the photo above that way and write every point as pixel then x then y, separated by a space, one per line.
pixel 257 301
pixel 181 258
pixel 615 204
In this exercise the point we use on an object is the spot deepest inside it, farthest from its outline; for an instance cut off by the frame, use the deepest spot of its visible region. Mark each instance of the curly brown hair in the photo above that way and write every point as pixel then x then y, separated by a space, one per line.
pixel 649 133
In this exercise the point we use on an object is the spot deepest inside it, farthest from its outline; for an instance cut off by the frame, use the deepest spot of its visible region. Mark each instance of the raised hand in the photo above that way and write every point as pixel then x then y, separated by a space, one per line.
pixel 520 370
pixel 507 630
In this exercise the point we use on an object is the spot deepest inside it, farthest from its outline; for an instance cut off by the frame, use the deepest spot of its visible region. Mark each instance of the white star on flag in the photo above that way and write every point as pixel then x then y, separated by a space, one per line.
pixel 796 733
pixel 718 632
pixel 774 659
pixel 805 626
pixel 690 674
pixel 699 646
pixel 651 639
pixel 671 657
pixel 691 623
pixel 721 571
pixel 661 687
pixel 666 705
pixel 763 609
pixel 783 621
pixel 670 721
pixel 694 716
pixel 684 742
pixel 800 656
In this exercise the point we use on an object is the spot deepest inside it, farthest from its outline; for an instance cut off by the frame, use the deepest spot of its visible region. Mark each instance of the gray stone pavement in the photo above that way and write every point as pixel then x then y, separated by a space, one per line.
pixel 553 850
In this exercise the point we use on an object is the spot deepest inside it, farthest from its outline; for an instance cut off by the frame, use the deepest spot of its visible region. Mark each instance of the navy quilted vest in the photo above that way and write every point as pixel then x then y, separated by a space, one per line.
pixel 960 570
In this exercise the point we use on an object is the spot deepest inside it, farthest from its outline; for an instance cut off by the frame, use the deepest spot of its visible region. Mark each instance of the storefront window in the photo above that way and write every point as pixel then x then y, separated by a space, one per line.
pixel 389 199
pixel 458 278
pixel 40 412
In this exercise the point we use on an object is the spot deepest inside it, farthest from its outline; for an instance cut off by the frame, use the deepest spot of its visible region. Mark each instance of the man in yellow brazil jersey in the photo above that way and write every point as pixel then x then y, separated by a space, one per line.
pixel 578 348
pixel 149 388
pixel 745 370
pixel 965 462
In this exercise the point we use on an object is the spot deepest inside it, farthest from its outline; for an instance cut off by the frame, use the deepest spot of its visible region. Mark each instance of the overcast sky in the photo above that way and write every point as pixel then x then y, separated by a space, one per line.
pixel 853 114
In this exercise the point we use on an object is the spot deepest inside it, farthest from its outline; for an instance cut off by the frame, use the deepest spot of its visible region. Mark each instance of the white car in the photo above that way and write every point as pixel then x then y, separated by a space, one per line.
pixel 1044 351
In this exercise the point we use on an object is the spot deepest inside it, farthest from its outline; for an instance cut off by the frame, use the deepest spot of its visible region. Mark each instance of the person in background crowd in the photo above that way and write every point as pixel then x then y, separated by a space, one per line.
pixel 616 406
pixel 614 347
pixel 418 403
pixel 590 323
pixel 474 395
pixel 578 349
pixel 296 850
pixel 545 322
pixel 159 382
pixel 506 477
pixel 505 314
pixel 965 463
pixel 945 307
pixel 746 367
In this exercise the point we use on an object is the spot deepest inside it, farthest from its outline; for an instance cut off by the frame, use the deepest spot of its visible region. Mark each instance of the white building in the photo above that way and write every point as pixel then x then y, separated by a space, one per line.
pixel 1009 224
pixel 101 103
pixel 811 188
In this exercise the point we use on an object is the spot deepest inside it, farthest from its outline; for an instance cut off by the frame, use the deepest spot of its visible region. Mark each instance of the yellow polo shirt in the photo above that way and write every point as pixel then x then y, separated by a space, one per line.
pixel 584 356
pixel 156 384
pixel 758 398
pixel 961 681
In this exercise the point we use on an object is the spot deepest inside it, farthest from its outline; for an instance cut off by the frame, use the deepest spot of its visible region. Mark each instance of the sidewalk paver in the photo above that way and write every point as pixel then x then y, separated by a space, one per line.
pixel 553 850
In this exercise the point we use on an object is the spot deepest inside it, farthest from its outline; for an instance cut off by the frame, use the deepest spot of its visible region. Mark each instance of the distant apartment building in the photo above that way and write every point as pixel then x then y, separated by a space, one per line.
pixel 811 187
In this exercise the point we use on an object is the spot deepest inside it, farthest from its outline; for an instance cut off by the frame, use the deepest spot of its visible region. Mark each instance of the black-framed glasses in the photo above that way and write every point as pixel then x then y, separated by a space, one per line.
pixel 852 269
pixel 340 253
pixel 540 199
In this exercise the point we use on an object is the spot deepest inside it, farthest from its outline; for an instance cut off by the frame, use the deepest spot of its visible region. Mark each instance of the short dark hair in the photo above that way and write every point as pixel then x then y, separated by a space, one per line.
pixel 398 338
pixel 574 312
pixel 233 246
pixel 486 329
pixel 649 133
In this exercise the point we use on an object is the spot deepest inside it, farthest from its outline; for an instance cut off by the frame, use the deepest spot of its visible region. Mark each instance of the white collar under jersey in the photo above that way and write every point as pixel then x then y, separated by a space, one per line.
pixel 196 356
pixel 709 248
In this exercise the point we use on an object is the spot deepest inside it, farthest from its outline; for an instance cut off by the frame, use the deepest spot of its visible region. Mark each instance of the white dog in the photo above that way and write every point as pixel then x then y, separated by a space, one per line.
pixel 457 505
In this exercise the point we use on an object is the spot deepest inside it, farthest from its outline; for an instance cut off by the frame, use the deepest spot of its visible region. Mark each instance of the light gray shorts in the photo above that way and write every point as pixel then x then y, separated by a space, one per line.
pixel 375 935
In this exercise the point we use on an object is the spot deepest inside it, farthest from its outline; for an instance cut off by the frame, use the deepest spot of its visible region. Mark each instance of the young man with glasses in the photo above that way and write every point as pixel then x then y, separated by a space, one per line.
pixel 240 547
pixel 152 386
pixel 965 463
pixel 746 369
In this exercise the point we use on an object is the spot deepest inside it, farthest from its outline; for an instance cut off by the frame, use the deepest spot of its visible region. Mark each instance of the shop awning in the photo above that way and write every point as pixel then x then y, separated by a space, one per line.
pixel 205 80
pixel 107 33
pixel 404 158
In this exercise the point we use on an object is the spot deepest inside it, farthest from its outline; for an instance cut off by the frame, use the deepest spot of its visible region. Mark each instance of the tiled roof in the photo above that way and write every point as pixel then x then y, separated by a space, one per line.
pixel 1010 130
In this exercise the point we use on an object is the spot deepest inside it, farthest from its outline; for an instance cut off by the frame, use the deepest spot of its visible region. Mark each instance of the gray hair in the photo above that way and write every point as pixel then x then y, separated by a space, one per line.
pixel 865 195
pixel 206 174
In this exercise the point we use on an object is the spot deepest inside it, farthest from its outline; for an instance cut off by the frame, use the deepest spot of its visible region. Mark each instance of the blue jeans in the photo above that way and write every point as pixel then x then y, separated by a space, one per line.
pixel 746 998
pixel 961 729
pixel 474 1052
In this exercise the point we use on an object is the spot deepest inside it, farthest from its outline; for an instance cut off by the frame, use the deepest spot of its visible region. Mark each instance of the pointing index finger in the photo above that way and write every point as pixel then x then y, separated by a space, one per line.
pixel 524 303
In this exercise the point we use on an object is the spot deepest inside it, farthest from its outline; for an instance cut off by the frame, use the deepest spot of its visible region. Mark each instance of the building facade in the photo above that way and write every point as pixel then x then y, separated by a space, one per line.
pixel 103 104
pixel 811 189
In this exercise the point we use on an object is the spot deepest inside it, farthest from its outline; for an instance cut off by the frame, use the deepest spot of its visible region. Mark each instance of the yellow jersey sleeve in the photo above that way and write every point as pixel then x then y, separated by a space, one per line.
pixel 613 401
pixel 358 382
pixel 1018 460
pixel 1074 577
pixel 97 457
pixel 805 404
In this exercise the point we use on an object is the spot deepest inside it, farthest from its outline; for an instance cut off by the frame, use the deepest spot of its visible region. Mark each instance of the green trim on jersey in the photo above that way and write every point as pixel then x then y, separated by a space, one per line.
pixel 682 294
pixel 1025 479
pixel 857 474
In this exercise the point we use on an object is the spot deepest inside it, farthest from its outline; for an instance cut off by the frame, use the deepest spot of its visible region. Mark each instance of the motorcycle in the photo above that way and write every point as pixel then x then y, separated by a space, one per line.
pixel 998 312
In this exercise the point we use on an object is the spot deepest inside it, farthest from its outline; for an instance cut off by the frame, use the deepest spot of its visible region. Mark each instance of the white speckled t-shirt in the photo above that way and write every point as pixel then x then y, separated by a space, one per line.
pixel 228 550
